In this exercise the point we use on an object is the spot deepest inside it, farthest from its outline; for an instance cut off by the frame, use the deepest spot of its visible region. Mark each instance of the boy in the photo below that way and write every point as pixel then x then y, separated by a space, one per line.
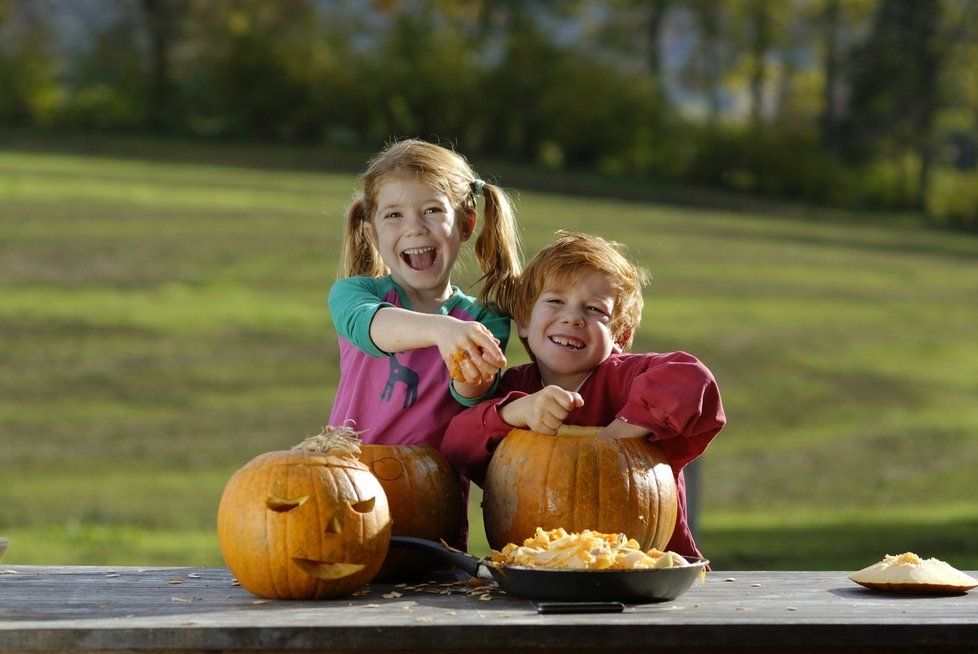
pixel 576 308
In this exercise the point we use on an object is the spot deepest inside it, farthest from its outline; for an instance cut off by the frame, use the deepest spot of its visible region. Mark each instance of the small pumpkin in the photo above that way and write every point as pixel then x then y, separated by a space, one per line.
pixel 425 498
pixel 307 523
pixel 576 481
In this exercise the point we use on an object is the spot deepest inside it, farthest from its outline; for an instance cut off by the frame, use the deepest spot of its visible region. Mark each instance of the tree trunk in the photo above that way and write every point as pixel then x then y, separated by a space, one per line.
pixel 708 19
pixel 159 26
pixel 657 13
pixel 828 122
pixel 760 43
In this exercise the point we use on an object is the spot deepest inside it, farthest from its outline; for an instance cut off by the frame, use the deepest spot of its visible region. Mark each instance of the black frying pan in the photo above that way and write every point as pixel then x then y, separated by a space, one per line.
pixel 633 586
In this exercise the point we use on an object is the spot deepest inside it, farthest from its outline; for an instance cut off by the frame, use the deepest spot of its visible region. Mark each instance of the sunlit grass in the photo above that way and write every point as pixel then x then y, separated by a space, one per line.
pixel 162 323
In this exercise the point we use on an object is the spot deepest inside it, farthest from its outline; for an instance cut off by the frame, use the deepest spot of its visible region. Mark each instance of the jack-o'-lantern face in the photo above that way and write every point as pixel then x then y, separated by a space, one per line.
pixel 299 524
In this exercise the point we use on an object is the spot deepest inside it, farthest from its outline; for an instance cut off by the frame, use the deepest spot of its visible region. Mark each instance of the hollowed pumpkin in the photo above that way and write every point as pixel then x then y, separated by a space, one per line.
pixel 306 523
pixel 575 481
pixel 425 500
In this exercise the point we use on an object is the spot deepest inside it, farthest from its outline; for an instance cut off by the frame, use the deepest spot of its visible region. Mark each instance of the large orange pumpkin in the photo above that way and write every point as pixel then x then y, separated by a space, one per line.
pixel 575 481
pixel 425 499
pixel 306 523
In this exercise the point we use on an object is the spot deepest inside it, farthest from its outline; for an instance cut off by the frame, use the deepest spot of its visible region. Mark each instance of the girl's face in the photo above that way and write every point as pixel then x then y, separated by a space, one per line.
pixel 569 330
pixel 419 235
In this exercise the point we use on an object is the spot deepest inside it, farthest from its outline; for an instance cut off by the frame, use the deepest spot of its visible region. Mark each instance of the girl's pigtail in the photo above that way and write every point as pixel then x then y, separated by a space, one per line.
pixel 498 252
pixel 360 257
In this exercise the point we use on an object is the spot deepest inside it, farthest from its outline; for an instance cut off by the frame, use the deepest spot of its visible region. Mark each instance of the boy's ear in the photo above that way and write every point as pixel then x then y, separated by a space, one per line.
pixel 624 337
pixel 522 331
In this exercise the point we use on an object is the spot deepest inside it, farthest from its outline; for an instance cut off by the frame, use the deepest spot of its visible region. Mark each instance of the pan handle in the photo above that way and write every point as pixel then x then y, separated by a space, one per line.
pixel 460 560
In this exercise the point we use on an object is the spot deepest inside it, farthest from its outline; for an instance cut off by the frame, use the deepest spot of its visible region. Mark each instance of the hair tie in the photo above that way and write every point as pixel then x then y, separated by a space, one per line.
pixel 477 186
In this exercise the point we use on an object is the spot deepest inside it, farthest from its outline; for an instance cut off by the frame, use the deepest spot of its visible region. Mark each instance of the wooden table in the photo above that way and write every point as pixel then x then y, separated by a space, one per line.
pixel 195 609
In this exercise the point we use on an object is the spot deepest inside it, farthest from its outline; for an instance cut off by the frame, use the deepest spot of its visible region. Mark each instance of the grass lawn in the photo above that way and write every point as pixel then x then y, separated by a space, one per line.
pixel 162 322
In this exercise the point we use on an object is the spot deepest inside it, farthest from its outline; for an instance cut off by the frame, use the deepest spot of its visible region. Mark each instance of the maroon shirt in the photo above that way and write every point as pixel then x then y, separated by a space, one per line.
pixel 674 396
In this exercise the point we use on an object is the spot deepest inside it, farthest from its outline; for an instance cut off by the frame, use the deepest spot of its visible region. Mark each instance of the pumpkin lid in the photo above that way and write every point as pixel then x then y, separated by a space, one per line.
pixel 573 431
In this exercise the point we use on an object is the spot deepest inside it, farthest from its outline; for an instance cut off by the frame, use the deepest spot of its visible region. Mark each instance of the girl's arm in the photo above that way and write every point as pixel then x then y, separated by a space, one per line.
pixel 395 330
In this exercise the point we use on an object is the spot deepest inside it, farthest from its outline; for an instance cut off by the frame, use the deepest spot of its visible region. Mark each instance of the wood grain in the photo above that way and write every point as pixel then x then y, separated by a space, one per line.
pixel 194 609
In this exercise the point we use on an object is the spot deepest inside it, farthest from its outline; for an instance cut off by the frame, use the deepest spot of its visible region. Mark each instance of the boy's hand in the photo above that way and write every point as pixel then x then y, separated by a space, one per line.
pixel 621 429
pixel 543 411
pixel 469 350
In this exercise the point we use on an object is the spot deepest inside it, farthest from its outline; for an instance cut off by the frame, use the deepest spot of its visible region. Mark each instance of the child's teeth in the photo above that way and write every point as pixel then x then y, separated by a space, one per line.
pixel 565 342
pixel 419 258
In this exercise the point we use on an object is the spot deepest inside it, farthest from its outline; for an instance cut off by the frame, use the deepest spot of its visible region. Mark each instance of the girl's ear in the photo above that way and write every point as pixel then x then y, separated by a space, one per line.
pixel 368 229
pixel 468 225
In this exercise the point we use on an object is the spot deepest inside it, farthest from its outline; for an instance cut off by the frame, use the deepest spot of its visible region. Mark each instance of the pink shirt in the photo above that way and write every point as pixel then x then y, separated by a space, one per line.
pixel 402 398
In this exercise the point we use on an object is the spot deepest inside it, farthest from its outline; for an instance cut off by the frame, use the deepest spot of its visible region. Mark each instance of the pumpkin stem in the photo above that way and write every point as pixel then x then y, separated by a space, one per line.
pixel 341 440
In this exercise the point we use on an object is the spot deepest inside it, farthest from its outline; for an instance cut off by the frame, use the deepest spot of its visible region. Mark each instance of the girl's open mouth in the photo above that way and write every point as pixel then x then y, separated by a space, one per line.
pixel 420 259
pixel 569 343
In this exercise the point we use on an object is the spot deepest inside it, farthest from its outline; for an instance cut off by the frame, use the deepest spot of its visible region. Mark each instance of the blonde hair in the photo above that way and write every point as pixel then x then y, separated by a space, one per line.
pixel 561 263
pixel 497 246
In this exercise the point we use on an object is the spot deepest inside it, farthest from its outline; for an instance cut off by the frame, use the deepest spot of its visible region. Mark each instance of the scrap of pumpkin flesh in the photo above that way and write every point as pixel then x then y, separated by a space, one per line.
pixel 587 550
pixel 908 571
pixel 327 571
pixel 456 370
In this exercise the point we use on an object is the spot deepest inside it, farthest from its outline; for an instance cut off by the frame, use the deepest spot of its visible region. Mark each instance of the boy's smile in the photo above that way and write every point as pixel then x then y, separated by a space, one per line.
pixel 569 331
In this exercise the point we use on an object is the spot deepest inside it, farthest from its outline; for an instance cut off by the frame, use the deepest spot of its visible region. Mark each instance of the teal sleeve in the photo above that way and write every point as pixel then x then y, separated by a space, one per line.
pixel 472 401
pixel 352 304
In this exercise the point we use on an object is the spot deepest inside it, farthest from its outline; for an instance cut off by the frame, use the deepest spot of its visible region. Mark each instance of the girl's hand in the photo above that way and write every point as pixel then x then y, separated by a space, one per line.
pixel 544 411
pixel 470 351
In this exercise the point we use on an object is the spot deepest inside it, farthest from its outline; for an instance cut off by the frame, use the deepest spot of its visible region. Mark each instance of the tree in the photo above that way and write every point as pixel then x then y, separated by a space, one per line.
pixel 895 87
pixel 161 26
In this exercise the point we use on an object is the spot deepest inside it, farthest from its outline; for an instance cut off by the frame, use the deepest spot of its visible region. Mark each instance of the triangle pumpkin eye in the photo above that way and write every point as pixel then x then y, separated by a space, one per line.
pixel 364 506
pixel 283 504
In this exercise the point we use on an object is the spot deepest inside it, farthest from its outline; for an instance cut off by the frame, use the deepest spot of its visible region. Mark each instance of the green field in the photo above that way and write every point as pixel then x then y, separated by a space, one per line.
pixel 163 322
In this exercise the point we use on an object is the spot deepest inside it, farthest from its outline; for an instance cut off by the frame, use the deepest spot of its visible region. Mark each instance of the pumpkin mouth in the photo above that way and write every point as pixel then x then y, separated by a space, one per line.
pixel 327 570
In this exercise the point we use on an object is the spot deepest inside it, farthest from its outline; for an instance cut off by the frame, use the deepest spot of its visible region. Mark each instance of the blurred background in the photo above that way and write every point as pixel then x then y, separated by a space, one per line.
pixel 800 176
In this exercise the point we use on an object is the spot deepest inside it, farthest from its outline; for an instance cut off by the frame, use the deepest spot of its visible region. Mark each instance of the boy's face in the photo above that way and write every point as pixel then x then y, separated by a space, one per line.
pixel 569 330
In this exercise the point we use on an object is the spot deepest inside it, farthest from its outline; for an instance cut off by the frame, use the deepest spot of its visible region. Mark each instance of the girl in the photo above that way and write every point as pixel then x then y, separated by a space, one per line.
pixel 402 326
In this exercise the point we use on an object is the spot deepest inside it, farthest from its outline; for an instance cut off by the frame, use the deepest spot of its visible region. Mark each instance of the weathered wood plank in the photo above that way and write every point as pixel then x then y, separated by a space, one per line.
pixel 138 609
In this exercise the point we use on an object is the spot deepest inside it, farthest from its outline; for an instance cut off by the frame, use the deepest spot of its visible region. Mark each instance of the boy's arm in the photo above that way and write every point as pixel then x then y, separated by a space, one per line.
pixel 473 435
pixel 676 403
pixel 621 429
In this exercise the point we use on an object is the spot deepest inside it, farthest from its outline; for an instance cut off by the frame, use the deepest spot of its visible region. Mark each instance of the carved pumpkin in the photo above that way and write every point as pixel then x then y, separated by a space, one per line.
pixel 575 481
pixel 305 523
pixel 425 500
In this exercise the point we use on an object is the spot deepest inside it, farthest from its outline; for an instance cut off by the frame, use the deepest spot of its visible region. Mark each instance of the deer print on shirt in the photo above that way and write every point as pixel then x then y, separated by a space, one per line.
pixel 402 374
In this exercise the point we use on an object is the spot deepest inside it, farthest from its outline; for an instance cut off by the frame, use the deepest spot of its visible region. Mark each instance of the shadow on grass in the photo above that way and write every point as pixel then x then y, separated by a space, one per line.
pixel 844 546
